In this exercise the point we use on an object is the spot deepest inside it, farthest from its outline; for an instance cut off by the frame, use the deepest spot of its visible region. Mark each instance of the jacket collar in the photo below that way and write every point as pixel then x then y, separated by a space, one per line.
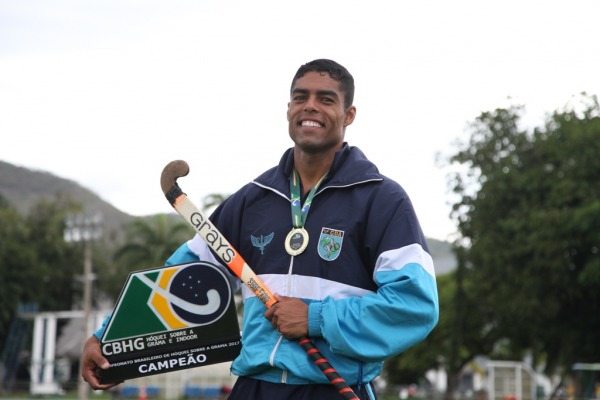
pixel 350 166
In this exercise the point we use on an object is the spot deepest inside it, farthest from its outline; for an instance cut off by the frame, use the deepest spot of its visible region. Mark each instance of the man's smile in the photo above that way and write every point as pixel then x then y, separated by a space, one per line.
pixel 311 123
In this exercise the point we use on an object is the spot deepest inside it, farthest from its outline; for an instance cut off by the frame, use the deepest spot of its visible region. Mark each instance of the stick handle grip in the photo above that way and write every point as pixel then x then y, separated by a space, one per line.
pixel 334 377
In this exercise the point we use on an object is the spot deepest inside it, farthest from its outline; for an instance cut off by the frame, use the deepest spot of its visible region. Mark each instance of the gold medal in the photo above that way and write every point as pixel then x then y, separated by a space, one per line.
pixel 296 241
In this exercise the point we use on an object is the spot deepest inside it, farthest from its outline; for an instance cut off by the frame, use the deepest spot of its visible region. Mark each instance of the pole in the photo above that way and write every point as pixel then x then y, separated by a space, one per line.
pixel 84 228
pixel 87 307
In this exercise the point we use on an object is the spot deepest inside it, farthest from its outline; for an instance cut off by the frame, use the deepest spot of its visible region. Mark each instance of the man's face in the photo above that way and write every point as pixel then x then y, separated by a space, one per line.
pixel 316 114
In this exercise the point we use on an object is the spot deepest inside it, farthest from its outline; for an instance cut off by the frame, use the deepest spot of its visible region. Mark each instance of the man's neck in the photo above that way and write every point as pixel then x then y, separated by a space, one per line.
pixel 312 167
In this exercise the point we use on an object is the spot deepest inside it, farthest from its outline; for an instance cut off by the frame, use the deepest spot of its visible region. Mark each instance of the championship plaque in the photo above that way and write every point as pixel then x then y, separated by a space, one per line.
pixel 171 318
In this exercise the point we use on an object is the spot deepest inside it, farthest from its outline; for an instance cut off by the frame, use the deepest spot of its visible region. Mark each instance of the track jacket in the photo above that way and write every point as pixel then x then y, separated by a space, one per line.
pixel 366 274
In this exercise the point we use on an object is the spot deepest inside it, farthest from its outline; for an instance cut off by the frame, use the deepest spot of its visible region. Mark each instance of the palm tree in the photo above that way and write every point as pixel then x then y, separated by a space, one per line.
pixel 148 244
pixel 212 201
pixel 150 241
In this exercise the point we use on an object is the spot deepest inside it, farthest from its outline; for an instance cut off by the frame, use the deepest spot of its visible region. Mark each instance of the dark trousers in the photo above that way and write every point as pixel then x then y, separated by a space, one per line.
pixel 253 389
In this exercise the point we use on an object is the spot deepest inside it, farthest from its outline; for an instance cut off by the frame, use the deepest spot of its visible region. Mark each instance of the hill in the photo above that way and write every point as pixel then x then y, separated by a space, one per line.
pixel 23 188
pixel 443 258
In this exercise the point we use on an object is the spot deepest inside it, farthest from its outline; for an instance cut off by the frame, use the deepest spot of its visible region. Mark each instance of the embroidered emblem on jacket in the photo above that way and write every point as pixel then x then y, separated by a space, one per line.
pixel 330 243
pixel 262 241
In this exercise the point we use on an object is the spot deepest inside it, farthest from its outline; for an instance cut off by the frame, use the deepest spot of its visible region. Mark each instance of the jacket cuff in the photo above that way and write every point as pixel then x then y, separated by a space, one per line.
pixel 314 319
pixel 100 331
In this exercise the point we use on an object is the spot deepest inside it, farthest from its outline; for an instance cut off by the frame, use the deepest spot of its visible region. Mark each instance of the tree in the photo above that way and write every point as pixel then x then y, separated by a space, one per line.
pixel 37 266
pixel 16 260
pixel 529 216
pixel 149 243
pixel 213 200
pixel 57 262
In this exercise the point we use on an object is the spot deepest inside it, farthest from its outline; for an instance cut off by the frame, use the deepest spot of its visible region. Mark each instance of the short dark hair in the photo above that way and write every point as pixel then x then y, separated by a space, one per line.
pixel 335 70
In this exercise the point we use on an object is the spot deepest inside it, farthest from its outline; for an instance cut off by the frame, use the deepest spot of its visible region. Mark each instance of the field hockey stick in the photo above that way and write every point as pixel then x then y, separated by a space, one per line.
pixel 234 261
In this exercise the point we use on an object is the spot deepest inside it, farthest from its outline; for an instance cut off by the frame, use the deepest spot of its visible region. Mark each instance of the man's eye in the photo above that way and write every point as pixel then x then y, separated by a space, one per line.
pixel 327 100
pixel 299 98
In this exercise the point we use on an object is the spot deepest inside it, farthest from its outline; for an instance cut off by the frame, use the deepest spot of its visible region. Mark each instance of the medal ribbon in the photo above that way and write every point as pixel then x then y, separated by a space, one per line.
pixel 299 214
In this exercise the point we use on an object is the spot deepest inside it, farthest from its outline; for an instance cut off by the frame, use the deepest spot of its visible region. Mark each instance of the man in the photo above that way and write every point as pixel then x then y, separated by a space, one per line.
pixel 347 259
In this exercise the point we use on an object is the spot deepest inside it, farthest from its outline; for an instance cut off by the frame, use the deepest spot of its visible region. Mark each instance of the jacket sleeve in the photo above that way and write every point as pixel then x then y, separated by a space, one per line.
pixel 379 325
pixel 404 308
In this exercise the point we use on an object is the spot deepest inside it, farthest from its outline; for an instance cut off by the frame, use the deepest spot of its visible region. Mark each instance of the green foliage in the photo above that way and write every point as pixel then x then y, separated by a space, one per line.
pixel 212 201
pixel 529 214
pixel 15 265
pixel 57 261
pixel 149 242
pixel 36 265
pixel 528 274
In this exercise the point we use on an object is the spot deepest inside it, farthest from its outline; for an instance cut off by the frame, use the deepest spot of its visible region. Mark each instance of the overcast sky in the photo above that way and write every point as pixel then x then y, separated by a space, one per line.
pixel 106 93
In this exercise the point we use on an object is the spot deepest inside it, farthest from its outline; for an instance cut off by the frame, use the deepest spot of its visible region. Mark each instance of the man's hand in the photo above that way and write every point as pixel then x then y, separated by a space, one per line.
pixel 91 360
pixel 289 316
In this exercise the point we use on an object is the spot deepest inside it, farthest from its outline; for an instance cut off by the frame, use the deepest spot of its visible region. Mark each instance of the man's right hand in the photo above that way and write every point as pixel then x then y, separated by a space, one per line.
pixel 91 360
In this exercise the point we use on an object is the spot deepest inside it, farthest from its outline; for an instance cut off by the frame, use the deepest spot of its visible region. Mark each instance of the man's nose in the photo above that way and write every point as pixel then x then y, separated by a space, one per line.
pixel 311 104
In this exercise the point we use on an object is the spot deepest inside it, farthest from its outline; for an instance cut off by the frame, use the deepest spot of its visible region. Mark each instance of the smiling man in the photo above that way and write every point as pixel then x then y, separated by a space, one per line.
pixel 346 256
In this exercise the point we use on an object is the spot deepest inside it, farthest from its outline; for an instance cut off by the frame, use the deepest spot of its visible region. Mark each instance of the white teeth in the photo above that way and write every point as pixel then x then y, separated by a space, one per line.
pixel 311 123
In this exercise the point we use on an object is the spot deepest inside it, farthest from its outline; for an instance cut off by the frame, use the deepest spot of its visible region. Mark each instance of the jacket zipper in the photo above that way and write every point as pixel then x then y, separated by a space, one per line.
pixel 276 347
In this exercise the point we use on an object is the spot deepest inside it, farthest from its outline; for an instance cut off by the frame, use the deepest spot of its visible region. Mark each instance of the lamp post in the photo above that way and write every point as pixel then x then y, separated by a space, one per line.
pixel 84 228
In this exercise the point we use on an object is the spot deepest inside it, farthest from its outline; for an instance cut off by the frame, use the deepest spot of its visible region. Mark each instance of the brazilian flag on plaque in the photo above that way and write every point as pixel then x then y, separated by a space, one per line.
pixel 171 318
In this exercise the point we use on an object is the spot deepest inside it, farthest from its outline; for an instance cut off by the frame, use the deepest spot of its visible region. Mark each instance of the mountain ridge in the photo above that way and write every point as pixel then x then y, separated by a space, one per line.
pixel 24 188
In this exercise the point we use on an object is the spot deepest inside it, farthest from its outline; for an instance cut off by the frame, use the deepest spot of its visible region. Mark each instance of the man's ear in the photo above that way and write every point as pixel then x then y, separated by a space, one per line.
pixel 350 115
